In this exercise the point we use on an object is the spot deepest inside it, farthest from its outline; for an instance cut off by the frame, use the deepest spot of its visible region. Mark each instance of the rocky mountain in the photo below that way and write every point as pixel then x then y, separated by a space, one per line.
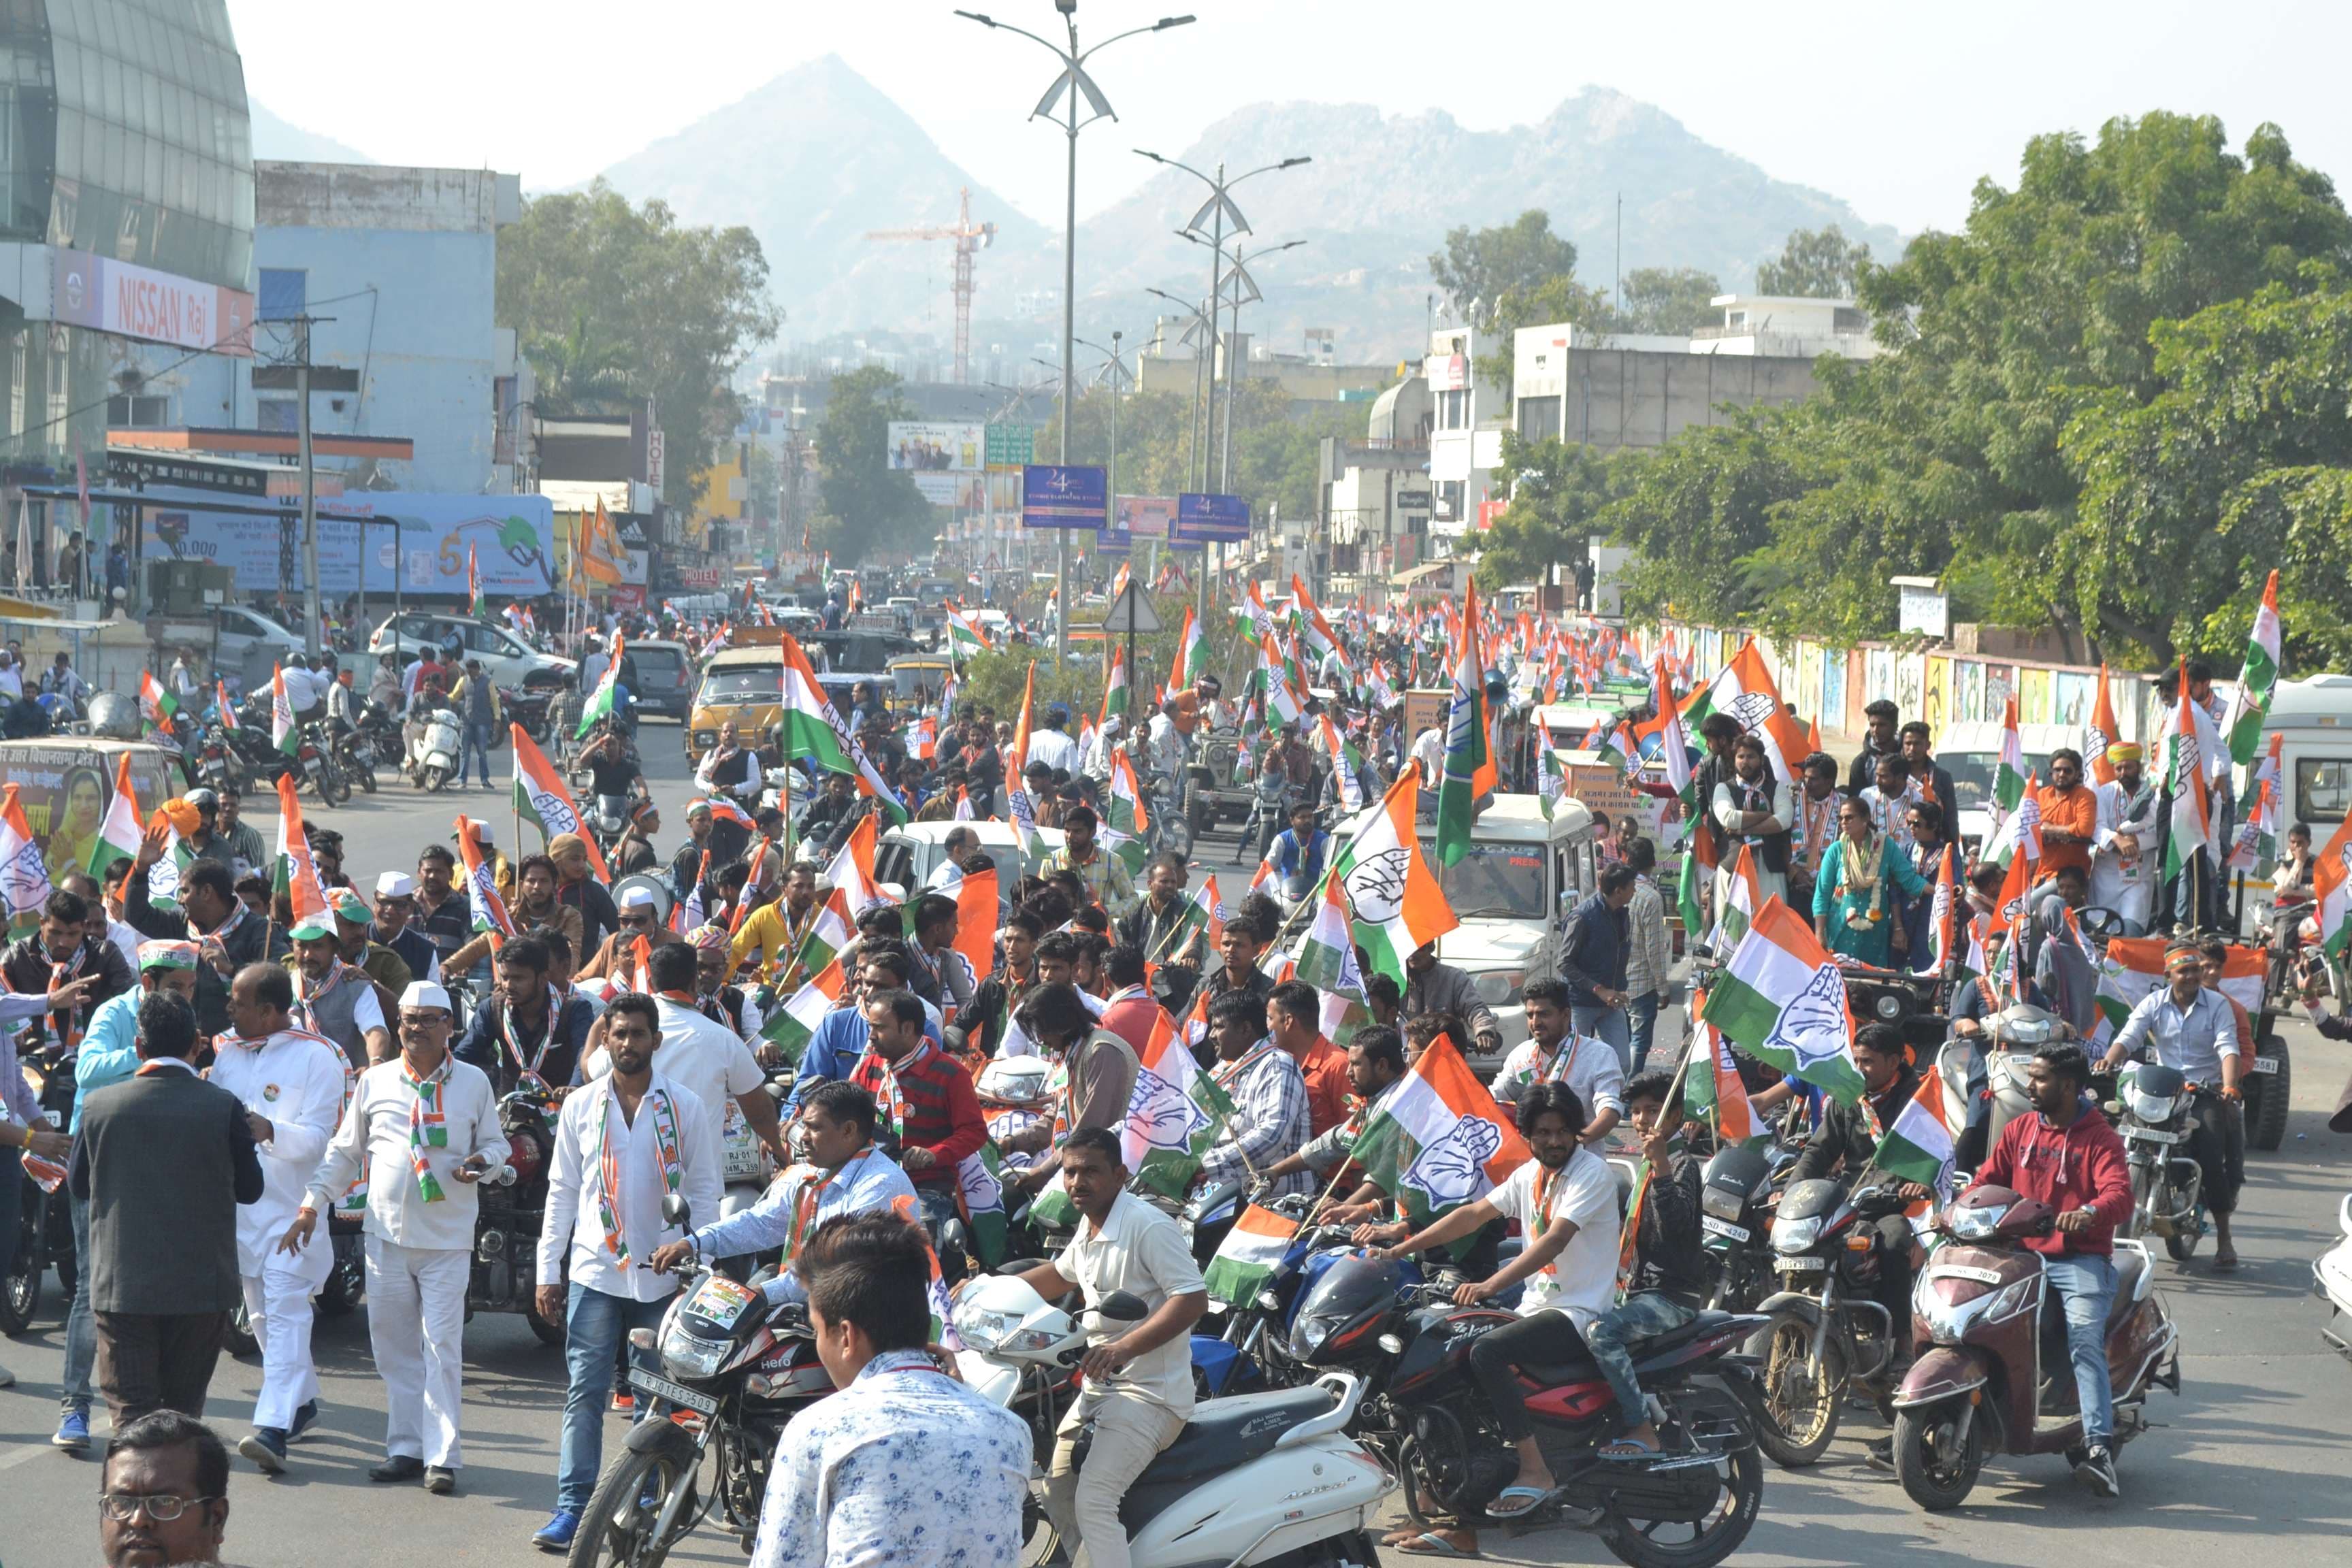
pixel 811 163
pixel 281 140
pixel 819 156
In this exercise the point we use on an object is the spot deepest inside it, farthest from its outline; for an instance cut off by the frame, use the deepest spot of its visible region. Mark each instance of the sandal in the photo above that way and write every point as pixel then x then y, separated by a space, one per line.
pixel 1537 1497
pixel 2225 1263
pixel 1629 1448
pixel 1428 1543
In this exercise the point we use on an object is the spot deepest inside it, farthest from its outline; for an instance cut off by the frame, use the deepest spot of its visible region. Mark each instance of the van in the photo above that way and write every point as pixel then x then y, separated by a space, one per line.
pixel 1512 892
pixel 2313 719
pixel 1970 752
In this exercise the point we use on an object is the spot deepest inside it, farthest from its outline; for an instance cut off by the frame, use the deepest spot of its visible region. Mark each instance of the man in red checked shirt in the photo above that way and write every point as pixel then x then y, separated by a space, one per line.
pixel 928 1115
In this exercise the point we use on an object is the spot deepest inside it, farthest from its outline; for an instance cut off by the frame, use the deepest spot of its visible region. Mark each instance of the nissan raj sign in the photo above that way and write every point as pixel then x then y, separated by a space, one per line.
pixel 87 291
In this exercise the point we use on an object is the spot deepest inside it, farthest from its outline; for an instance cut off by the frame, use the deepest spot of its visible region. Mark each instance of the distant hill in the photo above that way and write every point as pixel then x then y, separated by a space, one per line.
pixel 818 156
pixel 284 141
pixel 810 162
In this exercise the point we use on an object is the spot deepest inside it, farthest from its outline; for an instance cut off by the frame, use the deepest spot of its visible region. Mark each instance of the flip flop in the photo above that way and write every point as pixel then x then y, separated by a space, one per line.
pixel 2228 1265
pixel 1536 1497
pixel 1428 1543
pixel 1628 1448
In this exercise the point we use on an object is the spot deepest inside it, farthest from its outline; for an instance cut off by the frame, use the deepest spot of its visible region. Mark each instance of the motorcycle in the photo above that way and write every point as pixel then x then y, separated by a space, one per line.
pixel 315 764
pixel 529 709
pixel 433 754
pixel 2158 1120
pixel 506 1224
pixel 378 732
pixel 733 1373
pixel 1690 1506
pixel 353 758
pixel 1992 1373
pixel 1736 1198
pixel 1821 1329
pixel 45 1223
pixel 2331 1280
pixel 608 818
pixel 1256 1478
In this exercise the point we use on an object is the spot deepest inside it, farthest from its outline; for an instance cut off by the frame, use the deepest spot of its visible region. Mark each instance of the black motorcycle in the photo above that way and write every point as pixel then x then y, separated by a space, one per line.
pixel 1689 1506
pixel 1824 1332
pixel 513 1205
pixel 1734 1222
pixel 733 1373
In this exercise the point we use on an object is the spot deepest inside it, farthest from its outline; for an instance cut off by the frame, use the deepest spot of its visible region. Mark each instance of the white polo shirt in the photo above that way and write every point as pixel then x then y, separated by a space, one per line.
pixel 1143 1252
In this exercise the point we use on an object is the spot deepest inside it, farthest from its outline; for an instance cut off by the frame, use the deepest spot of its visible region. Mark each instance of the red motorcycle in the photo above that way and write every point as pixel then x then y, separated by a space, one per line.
pixel 1992 1374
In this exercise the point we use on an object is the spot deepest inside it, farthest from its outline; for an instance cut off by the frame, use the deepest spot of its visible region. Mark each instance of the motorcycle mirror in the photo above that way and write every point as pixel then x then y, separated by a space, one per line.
pixel 676 1211
pixel 1123 1307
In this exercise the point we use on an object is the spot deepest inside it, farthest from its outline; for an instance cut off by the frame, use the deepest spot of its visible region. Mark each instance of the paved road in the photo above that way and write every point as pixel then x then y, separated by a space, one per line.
pixel 2250 1460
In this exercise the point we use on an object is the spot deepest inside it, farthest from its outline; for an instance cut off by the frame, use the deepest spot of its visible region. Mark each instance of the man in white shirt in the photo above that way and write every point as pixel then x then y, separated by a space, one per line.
pixel 1139 1382
pixel 701 1056
pixel 1429 752
pixel 1554 1052
pixel 1566 1200
pixel 640 1131
pixel 2123 856
pixel 303 692
pixel 421 1131
pixel 1051 744
pixel 291 1082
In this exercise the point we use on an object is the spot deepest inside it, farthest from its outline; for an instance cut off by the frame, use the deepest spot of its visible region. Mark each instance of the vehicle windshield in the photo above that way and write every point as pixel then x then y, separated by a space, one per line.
pixel 1493 881
pixel 270 626
pixel 748 683
pixel 1971 776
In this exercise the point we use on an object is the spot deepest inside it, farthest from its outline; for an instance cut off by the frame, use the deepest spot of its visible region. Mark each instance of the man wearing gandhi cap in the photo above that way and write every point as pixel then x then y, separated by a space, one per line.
pixel 420 1132
pixel 396 906
pixel 109 1054
pixel 380 964
pixel 2127 842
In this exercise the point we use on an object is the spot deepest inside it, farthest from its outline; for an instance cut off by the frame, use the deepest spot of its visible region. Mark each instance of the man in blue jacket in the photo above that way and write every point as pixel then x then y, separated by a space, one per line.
pixel 1592 962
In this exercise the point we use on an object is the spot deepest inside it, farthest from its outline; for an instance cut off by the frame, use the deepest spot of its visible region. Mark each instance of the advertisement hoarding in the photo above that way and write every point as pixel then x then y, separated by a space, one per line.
pixel 922 446
pixel 132 301
pixel 1147 516
pixel 1211 519
pixel 512 537
pixel 1058 496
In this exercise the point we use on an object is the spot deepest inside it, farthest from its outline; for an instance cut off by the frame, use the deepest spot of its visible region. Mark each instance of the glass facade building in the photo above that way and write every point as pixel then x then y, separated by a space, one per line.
pixel 124 134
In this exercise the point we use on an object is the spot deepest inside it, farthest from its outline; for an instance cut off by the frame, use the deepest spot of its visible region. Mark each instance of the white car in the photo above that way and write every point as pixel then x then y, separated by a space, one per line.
pixel 242 629
pixel 906 857
pixel 510 660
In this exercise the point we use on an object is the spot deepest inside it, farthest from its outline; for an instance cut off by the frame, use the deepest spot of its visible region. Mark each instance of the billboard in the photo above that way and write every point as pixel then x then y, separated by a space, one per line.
pixel 1147 516
pixel 132 301
pixel 1211 519
pixel 66 787
pixel 1057 497
pixel 421 538
pixel 921 446
pixel 957 489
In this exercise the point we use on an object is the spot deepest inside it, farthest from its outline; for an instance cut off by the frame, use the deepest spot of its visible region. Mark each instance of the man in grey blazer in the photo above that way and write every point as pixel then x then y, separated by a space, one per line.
pixel 163 1161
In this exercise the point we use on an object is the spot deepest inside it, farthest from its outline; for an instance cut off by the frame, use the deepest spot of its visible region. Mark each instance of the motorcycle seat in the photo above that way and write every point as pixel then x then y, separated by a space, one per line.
pixel 1583 1369
pixel 1226 1434
pixel 2131 1269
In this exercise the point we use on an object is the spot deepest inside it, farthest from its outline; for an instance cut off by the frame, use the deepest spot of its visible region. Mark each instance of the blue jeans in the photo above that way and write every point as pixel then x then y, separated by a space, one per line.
pixel 474 744
pixel 1643 1314
pixel 1644 1009
pixel 1607 1024
pixel 81 1329
pixel 595 1326
pixel 2086 1283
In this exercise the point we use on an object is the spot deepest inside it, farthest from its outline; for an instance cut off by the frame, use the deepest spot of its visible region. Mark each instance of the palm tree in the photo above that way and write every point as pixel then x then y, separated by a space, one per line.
pixel 580 372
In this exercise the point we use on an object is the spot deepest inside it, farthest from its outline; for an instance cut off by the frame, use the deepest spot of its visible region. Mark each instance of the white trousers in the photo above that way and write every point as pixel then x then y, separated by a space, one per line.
pixel 277 1303
pixel 417 1326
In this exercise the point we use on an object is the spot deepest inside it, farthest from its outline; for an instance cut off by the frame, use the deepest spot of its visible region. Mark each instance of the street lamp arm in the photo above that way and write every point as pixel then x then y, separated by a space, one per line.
pixel 1268 169
pixel 1056 50
pixel 1162 26
pixel 1173 163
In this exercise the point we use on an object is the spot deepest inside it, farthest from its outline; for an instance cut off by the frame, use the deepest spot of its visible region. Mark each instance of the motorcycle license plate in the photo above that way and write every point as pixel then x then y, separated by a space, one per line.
pixel 2266 1064
pixel 1800 1265
pixel 1961 1271
pixel 1714 1226
pixel 310 764
pixel 2151 1135
pixel 676 1394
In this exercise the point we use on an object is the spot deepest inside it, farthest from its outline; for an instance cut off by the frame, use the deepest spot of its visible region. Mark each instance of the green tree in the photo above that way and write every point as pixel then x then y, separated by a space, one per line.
pixel 616 302
pixel 869 507
pixel 1815 264
pixel 1667 299
pixel 1558 490
pixel 1485 264
pixel 1694 511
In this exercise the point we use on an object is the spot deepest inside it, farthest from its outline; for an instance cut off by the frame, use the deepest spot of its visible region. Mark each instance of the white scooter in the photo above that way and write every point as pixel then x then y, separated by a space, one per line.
pixel 1255 1479
pixel 433 749
pixel 2331 1280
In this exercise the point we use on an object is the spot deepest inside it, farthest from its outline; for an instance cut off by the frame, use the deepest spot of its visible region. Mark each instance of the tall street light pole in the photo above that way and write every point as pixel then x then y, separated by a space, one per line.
pixel 1240 280
pixel 1074 82
pixel 1200 356
pixel 1218 209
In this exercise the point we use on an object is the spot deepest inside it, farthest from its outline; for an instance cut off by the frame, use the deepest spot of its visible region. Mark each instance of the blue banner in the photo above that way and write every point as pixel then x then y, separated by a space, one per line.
pixel 1211 519
pixel 1054 497
pixel 422 539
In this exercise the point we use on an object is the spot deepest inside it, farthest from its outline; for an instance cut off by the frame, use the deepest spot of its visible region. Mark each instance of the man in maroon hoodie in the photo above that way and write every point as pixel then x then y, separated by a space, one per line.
pixel 2067 1156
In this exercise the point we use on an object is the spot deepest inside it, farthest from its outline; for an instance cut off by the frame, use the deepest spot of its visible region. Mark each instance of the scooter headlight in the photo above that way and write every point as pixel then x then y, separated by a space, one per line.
pixel 1937 1302
pixel 1796 1235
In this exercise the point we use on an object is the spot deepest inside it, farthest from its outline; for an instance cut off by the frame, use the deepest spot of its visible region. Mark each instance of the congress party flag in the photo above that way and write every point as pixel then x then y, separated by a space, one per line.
pixel 1781 1000
pixel 541 799
pixel 119 836
pixel 1918 1146
pixel 1248 1256
pixel 1438 1140
pixel 2251 705
pixel 793 1026
pixel 297 874
pixel 1395 898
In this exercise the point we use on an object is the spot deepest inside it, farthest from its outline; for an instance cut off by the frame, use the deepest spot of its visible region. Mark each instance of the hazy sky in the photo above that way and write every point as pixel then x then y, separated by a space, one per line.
pixel 1898 107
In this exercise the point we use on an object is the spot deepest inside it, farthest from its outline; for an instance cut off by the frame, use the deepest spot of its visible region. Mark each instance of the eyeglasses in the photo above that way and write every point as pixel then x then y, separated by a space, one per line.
pixel 161 1506
pixel 638 923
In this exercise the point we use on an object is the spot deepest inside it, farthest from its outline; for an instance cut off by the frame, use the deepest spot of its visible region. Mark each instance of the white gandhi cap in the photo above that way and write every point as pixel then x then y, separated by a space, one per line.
pixel 425 993
pixel 637 898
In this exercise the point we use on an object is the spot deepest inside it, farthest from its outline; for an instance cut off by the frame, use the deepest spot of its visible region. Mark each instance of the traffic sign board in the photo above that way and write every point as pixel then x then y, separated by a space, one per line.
pixel 1132 612
pixel 1012 445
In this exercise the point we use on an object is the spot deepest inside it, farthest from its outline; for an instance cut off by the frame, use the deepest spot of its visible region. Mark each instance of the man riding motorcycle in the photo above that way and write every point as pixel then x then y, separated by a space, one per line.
pixel 2194 1031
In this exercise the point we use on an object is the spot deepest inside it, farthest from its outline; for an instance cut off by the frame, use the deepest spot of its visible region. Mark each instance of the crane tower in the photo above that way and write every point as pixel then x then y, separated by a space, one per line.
pixel 970 238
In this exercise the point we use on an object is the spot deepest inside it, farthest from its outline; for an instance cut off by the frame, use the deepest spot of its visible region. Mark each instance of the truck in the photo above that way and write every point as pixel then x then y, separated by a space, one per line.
pixel 64 785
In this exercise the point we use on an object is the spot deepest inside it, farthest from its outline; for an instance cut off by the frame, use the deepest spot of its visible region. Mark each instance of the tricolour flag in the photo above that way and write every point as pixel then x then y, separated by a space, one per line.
pixel 1126 819
pixel 1745 689
pixel 2101 733
pixel 1115 696
pixel 1327 955
pixel 1203 918
pixel 2251 706
pixel 965 636
pixel 2257 836
pixel 2008 790
pixel 224 707
pixel 1781 1000
pixel 1191 657
pixel 1918 1146
pixel 851 873
pixel 157 707
pixel 283 732
pixel 1438 1140
pixel 1469 767
pixel 1316 631
pixel 1017 766
pixel 474 586
pixel 2189 829
pixel 829 931
pixel 483 902
pixel 24 876
pixel 1712 1087
pixel 2331 887
pixel 600 701
pixel 1738 910
pixel 541 799
pixel 297 875
pixel 1397 902
pixel 1346 761
pixel 790 1026
pixel 979 1189
pixel 814 732
pixel 1248 1256
pixel 974 893
pixel 2132 966
pixel 119 836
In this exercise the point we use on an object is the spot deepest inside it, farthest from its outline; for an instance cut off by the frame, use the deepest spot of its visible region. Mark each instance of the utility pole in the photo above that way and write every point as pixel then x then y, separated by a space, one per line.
pixel 310 606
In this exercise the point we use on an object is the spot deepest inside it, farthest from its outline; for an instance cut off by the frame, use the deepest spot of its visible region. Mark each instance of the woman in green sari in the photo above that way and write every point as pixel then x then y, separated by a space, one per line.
pixel 1853 896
